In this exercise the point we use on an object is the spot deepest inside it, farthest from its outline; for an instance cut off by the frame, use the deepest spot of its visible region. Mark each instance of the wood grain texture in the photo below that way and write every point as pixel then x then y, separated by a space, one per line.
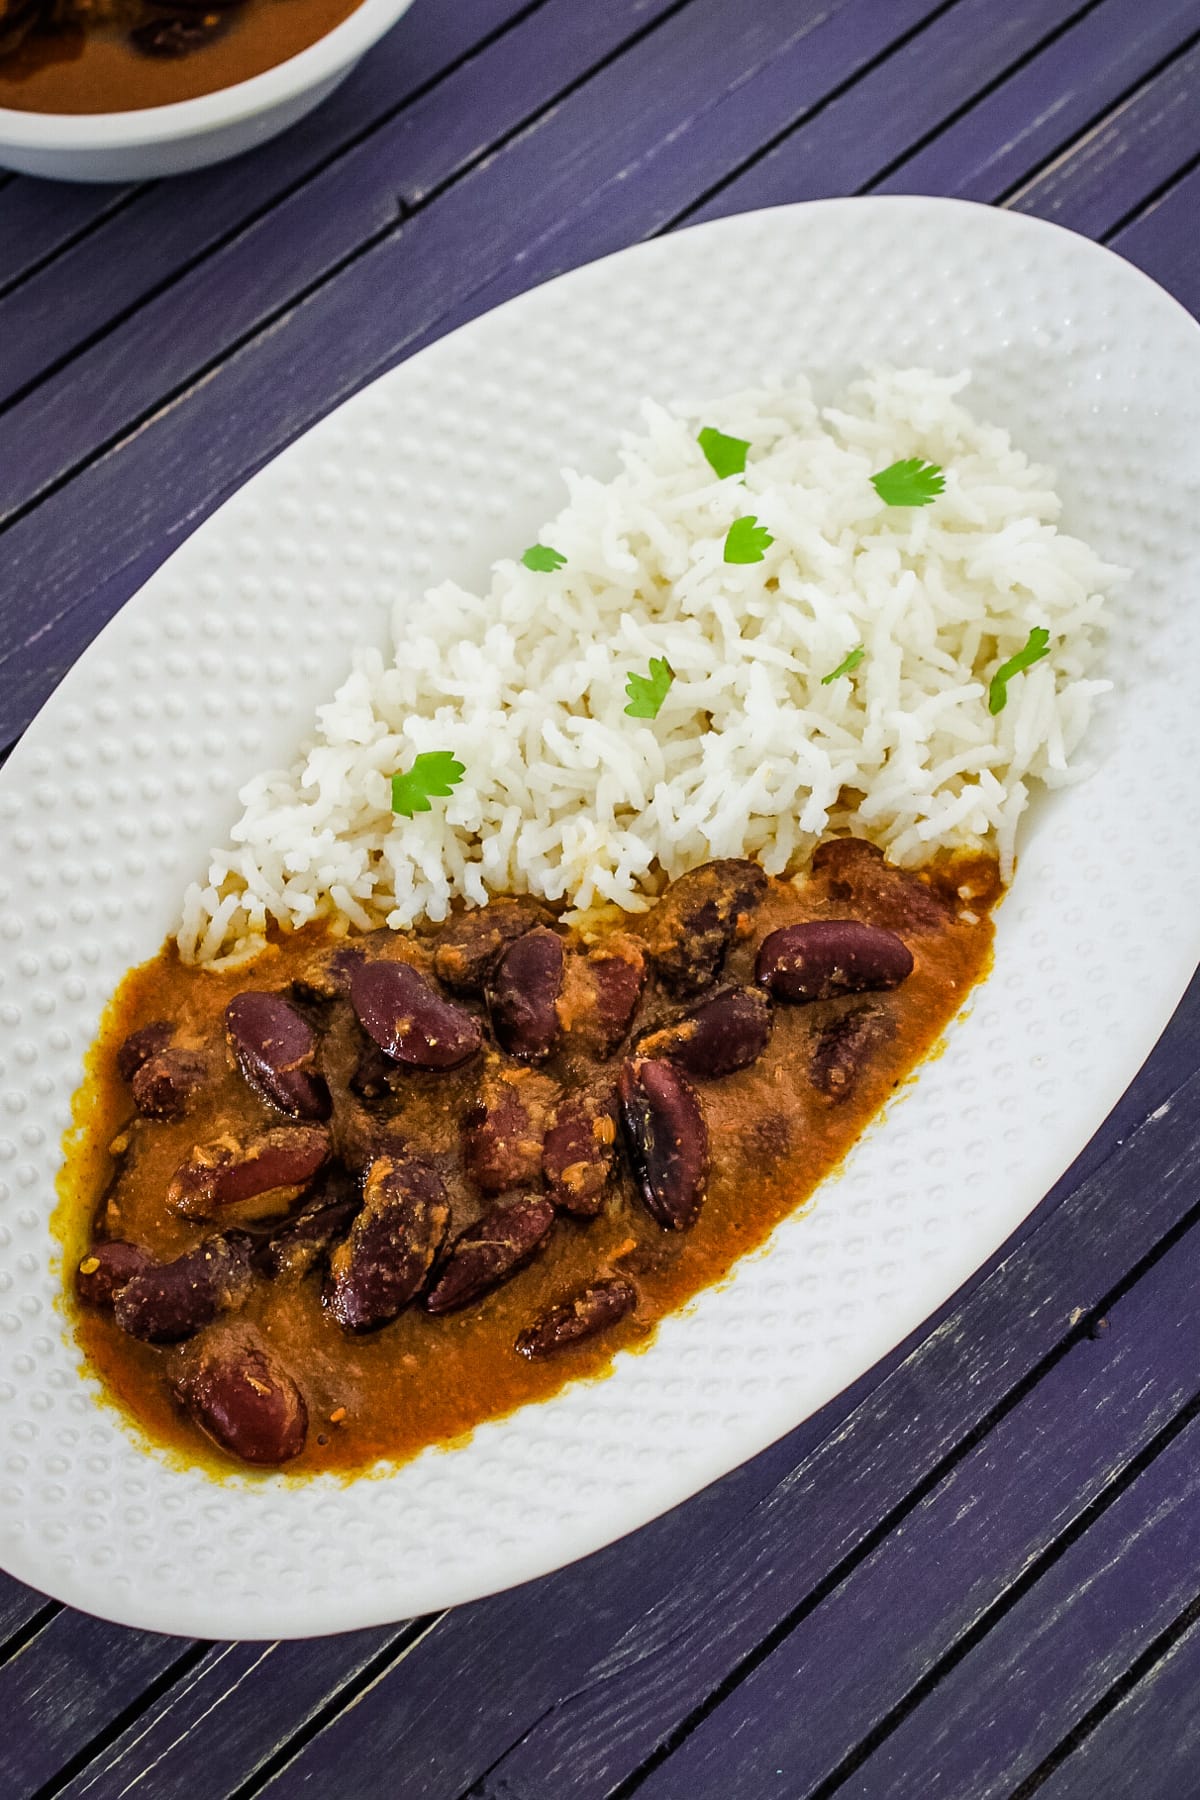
pixel 1152 1736
pixel 1164 241
pixel 863 132
pixel 215 1729
pixel 63 1687
pixel 1047 102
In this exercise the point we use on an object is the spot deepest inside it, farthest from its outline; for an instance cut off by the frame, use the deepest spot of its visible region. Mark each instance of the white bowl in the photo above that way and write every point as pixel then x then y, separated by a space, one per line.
pixel 169 140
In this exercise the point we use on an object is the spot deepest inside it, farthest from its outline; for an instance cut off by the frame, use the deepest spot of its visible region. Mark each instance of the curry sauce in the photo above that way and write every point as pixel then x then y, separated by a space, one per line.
pixel 768 1131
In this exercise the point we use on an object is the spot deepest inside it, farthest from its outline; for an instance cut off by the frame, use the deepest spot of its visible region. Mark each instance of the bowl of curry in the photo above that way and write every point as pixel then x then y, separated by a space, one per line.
pixel 356 1197
pixel 127 90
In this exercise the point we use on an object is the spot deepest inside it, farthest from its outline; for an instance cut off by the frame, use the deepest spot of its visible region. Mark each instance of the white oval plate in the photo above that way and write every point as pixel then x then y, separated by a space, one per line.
pixel 110 804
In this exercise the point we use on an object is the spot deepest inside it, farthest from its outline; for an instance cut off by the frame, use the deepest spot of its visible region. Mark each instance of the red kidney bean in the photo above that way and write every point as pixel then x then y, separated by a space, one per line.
pixel 600 992
pixel 147 1041
pixel 503 1135
pixel 383 1262
pixel 326 1216
pixel 522 994
pixel 271 1169
pixel 168 1301
pixel 822 958
pixel 488 1252
pixel 276 1051
pixel 719 1036
pixel 107 1267
pixel 164 1084
pixel 598 1307
pixel 580 1148
pixel 469 943
pixel 856 873
pixel 409 1019
pixel 698 917
pixel 242 1397
pixel 842 1048
pixel 668 1141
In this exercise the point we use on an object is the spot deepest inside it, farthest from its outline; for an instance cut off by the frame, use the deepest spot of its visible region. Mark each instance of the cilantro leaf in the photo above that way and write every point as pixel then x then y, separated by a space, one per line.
pixel 647 693
pixel 844 668
pixel 910 482
pixel 746 541
pixel 726 455
pixel 434 773
pixel 542 559
pixel 1037 645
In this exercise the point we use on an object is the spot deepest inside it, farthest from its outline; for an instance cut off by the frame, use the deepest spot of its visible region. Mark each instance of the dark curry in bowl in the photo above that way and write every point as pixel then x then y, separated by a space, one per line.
pixel 101 56
pixel 366 1192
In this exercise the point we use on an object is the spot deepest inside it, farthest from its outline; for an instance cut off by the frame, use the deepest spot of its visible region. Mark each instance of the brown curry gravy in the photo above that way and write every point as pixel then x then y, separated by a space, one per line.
pixel 422 1381
pixel 94 68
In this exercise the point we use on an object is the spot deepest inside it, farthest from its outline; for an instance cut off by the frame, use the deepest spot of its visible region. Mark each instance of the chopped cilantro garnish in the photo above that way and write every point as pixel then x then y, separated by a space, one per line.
pixel 726 455
pixel 910 482
pixel 1037 645
pixel 746 541
pixel 846 667
pixel 647 693
pixel 434 773
pixel 542 559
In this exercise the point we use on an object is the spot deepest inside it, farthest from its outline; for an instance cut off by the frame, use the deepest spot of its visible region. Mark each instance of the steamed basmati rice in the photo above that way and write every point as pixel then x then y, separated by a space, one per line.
pixel 567 797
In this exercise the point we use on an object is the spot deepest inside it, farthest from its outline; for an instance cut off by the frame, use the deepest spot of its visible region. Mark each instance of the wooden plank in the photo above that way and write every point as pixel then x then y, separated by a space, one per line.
pixel 1047 102
pixel 647 1662
pixel 182 253
pixel 218 1726
pixel 288 250
pixel 993 1719
pixel 1124 158
pixel 19 1606
pixel 863 132
pixel 1149 1743
pixel 67 1683
pixel 169 223
pixel 854 1642
pixel 1165 243
pixel 180 463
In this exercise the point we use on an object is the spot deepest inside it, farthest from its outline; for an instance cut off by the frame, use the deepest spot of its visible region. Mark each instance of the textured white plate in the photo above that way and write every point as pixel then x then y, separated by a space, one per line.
pixel 108 808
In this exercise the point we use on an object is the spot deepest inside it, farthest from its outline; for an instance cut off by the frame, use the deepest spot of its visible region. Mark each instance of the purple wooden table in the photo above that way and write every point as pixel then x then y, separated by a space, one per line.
pixel 977 1573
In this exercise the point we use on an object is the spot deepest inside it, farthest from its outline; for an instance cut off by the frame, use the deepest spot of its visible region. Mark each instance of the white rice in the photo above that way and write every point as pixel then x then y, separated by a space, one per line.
pixel 567 797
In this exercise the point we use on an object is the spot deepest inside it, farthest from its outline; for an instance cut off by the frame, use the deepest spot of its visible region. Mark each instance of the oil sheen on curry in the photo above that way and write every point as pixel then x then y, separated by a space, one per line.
pixel 363 1193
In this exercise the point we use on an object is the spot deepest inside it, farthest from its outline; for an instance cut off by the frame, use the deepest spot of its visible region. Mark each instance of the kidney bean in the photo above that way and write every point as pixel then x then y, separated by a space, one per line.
pixel 147 1041
pixel 719 1036
pixel 271 1169
pixel 469 943
pixel 603 1304
pixel 600 992
pixel 842 1048
pixel 164 1084
pixel 856 873
pixel 503 1135
pixel 488 1252
pixel 242 1397
pixel 698 917
pixel 668 1141
pixel 580 1149
pixel 174 38
pixel 522 994
pixel 168 1301
pixel 383 1261
pixel 326 1216
pixel 107 1267
pixel 276 1051
pixel 408 1018
pixel 822 958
